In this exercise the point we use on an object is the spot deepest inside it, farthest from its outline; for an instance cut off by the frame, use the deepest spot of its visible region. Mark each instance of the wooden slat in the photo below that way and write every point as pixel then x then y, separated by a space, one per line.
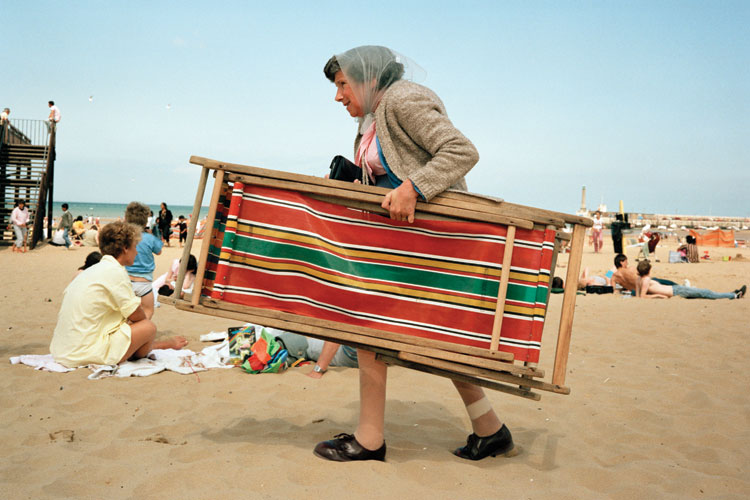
pixel 497 323
pixel 370 207
pixel 218 182
pixel 489 384
pixel 540 215
pixel 481 372
pixel 553 264
pixel 568 306
pixel 454 199
pixel 191 232
pixel 339 193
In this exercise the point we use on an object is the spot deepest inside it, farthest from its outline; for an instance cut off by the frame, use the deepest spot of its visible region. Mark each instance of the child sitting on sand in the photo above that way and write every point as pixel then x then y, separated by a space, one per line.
pixel 164 284
pixel 101 320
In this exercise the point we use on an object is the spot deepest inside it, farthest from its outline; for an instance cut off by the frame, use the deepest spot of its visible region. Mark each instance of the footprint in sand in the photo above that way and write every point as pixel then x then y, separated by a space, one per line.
pixel 161 438
pixel 64 435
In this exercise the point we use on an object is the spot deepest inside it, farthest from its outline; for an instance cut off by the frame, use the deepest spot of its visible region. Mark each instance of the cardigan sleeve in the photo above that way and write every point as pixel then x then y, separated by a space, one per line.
pixel 450 155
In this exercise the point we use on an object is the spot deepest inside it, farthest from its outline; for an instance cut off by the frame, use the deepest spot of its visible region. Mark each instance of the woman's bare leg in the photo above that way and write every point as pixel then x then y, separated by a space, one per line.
pixel 372 381
pixel 142 341
pixel 485 424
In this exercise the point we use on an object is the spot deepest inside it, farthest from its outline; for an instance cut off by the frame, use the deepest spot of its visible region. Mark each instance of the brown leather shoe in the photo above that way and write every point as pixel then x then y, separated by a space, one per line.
pixel 477 448
pixel 345 448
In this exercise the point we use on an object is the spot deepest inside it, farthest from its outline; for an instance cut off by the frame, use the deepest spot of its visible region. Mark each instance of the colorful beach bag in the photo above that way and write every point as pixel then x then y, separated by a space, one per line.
pixel 266 355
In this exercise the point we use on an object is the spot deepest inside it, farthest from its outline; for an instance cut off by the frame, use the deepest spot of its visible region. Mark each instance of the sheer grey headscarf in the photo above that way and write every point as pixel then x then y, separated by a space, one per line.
pixel 370 70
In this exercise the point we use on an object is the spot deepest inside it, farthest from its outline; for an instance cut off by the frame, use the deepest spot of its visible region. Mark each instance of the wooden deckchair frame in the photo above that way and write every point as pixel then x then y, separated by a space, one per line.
pixel 490 368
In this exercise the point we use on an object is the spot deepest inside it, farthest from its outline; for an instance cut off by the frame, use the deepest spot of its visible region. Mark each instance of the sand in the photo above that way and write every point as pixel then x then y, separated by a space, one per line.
pixel 659 408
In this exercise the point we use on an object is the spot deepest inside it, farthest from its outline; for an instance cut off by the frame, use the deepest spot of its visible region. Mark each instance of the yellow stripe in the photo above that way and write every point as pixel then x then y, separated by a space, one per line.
pixel 483 304
pixel 518 309
pixel 529 278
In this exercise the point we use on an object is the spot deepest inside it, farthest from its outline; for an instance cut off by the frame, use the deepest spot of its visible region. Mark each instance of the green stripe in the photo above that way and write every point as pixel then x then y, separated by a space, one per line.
pixel 486 288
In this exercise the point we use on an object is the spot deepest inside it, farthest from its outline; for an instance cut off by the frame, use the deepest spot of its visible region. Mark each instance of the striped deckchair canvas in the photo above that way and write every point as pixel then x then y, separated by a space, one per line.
pixel 282 250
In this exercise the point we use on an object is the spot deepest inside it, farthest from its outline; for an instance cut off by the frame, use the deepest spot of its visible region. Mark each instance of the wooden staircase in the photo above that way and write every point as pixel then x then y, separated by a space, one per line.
pixel 24 168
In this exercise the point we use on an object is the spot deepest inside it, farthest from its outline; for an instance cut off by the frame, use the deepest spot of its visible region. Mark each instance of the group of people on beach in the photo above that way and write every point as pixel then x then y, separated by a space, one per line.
pixel 639 283
pixel 404 142
pixel 71 233
pixel 106 312
pixel 163 225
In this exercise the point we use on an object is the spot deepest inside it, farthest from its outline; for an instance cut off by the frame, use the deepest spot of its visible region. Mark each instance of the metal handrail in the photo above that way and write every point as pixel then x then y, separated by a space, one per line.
pixel 23 131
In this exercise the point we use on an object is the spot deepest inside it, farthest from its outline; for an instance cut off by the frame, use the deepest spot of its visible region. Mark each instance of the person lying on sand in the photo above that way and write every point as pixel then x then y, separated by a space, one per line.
pixel 649 289
pixel 627 277
pixel 101 321
pixel 595 280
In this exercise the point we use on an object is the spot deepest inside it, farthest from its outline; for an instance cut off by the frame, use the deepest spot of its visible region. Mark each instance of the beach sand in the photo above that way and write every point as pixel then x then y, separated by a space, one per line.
pixel 659 408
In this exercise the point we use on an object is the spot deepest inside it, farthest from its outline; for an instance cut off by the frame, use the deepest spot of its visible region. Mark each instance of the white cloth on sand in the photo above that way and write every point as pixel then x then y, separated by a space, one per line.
pixel 182 361
pixel 40 362
pixel 214 336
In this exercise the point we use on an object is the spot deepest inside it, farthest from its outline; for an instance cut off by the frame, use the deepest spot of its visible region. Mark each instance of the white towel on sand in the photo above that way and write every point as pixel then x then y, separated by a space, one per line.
pixel 182 361
pixel 40 362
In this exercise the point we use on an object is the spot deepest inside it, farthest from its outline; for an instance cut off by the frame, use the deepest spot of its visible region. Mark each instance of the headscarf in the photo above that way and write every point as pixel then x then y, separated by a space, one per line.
pixel 370 70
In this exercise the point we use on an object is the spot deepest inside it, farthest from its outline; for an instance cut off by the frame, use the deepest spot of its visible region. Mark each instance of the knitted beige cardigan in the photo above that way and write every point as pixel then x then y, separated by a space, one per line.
pixel 419 141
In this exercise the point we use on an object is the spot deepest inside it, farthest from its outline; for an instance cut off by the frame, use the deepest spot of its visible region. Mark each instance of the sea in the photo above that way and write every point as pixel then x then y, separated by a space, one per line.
pixel 113 211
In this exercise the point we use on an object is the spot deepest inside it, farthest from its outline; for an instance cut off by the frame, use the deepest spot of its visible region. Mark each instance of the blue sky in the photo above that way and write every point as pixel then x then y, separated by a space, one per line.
pixel 648 102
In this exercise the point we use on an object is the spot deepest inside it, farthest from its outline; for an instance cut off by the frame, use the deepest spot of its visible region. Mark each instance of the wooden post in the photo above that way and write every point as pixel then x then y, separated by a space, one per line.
pixel 503 288
pixel 191 232
pixel 553 264
pixel 568 305
pixel 51 180
pixel 218 184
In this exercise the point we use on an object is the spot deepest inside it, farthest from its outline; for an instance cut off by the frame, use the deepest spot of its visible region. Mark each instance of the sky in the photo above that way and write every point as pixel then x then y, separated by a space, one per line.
pixel 642 101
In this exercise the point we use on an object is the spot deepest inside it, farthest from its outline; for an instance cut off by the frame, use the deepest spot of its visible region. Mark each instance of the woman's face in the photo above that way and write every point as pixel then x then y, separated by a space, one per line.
pixel 162 206
pixel 129 255
pixel 345 95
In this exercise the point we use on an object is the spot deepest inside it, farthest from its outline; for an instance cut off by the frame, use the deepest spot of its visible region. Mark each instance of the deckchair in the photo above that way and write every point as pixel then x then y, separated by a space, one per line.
pixel 462 292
